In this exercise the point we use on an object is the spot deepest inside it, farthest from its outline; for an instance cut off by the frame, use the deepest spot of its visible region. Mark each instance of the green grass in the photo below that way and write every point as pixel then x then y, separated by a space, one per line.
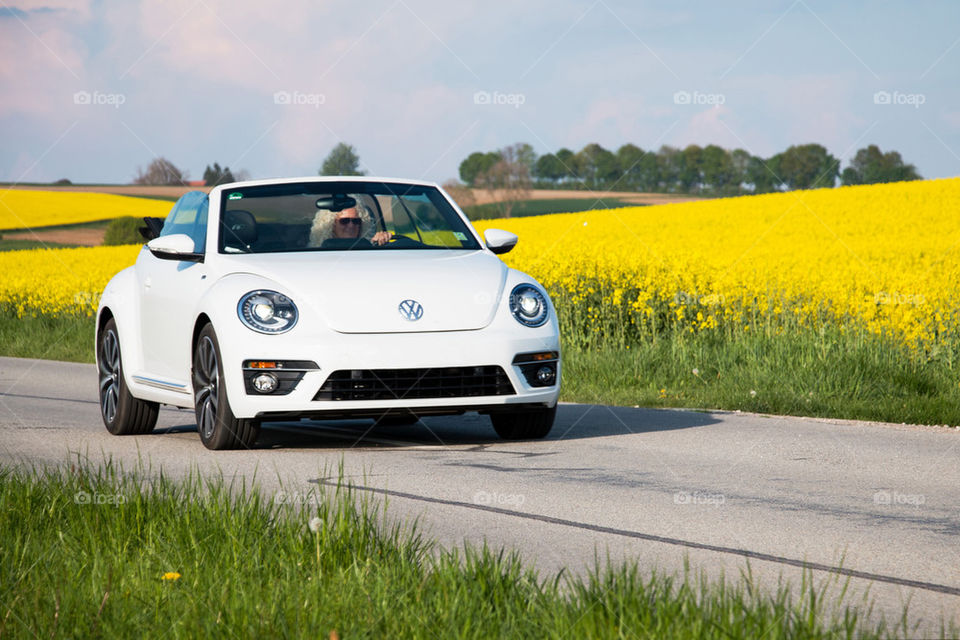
pixel 19 245
pixel 93 224
pixel 544 207
pixel 84 552
pixel 68 338
pixel 834 374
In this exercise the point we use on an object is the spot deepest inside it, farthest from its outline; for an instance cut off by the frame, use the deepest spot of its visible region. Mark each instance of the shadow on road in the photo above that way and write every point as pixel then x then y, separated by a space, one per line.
pixel 574 421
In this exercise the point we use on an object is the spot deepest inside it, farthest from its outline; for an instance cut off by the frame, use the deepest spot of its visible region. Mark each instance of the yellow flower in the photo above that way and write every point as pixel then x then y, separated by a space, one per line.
pixel 170 575
pixel 875 258
pixel 22 209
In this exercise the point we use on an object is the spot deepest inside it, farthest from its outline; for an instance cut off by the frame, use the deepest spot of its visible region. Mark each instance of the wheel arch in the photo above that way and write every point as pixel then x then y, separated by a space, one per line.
pixel 202 320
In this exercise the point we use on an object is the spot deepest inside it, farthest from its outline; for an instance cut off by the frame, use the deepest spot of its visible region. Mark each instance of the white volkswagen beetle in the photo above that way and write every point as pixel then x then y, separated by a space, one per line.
pixel 324 298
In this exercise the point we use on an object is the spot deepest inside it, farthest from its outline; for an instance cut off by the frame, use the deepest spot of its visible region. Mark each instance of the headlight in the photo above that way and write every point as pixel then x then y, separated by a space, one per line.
pixel 528 305
pixel 267 311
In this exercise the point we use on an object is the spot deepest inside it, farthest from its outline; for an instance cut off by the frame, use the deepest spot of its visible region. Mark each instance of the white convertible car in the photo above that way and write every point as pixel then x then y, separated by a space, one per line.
pixel 318 298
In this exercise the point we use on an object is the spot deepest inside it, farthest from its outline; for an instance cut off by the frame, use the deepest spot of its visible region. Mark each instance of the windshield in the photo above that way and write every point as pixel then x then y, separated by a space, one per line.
pixel 339 216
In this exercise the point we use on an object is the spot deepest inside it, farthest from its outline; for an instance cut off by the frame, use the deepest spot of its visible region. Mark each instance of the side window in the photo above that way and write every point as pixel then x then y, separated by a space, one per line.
pixel 189 216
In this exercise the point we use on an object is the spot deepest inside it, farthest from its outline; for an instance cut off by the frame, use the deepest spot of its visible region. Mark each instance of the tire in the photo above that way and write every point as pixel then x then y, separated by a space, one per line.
pixel 123 415
pixel 216 424
pixel 523 425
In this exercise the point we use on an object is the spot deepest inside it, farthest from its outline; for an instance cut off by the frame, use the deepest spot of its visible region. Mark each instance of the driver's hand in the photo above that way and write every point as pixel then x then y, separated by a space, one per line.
pixel 381 237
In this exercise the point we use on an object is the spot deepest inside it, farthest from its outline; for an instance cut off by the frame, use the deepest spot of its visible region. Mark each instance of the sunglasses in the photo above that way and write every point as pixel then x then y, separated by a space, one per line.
pixel 346 221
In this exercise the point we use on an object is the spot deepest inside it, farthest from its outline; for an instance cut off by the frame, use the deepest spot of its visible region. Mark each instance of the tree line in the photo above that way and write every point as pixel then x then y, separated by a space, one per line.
pixel 709 171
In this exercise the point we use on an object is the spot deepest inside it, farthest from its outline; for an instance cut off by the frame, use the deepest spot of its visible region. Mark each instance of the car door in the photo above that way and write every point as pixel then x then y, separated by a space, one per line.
pixel 169 291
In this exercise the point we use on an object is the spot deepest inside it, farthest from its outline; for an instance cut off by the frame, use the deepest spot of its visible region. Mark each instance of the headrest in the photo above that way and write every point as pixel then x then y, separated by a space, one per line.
pixel 239 228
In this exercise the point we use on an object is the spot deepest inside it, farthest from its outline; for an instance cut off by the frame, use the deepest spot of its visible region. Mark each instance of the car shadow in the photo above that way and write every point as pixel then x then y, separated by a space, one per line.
pixel 573 422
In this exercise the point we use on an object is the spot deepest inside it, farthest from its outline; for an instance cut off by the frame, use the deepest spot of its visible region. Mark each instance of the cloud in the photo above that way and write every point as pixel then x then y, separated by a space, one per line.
pixel 710 125
pixel 41 61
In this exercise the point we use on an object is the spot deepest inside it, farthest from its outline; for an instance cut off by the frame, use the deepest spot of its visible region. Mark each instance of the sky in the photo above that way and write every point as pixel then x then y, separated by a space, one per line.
pixel 90 90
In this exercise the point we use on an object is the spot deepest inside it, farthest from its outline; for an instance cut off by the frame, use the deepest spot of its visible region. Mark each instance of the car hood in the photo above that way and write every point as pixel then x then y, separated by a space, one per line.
pixel 361 291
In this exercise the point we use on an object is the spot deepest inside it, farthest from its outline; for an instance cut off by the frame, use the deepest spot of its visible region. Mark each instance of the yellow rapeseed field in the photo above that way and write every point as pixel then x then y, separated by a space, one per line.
pixel 57 282
pixel 882 258
pixel 27 209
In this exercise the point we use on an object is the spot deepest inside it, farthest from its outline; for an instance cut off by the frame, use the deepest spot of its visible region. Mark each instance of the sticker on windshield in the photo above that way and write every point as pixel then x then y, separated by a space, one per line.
pixel 460 236
pixel 236 195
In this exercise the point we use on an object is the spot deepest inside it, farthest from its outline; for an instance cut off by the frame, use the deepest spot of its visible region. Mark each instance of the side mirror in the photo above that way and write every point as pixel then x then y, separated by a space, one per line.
pixel 500 241
pixel 177 246
pixel 153 228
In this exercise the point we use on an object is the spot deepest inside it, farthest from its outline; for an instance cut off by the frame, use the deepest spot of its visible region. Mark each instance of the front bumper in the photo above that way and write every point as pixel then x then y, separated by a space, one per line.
pixel 430 350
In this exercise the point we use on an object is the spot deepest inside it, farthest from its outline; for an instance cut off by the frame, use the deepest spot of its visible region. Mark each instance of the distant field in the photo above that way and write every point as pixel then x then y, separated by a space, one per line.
pixel 30 209
pixel 481 196
pixel 544 207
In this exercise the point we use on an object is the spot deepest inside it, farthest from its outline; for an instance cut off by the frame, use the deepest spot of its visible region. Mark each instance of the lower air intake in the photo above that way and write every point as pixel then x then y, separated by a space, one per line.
pixel 405 384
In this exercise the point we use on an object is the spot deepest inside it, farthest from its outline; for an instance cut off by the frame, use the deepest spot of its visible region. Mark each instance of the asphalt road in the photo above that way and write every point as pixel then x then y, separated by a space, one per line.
pixel 873 504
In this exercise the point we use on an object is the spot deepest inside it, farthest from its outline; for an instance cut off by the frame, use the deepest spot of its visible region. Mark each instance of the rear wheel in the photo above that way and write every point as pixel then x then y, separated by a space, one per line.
pixel 218 427
pixel 122 414
pixel 523 425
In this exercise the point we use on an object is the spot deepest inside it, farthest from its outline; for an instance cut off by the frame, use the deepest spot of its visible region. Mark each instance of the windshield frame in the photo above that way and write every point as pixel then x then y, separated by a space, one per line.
pixel 400 191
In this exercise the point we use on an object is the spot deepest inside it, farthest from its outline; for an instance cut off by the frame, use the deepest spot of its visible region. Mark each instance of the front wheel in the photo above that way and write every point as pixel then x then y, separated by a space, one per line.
pixel 523 425
pixel 218 427
pixel 122 414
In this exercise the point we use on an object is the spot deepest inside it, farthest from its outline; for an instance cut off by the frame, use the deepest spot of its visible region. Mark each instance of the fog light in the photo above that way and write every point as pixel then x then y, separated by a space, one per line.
pixel 265 383
pixel 546 375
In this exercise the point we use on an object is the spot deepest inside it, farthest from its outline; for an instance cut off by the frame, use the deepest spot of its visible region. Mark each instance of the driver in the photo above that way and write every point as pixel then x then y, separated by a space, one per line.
pixel 355 222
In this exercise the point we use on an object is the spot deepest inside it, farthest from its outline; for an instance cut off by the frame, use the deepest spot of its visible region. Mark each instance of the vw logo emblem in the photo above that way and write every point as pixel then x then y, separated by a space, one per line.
pixel 411 310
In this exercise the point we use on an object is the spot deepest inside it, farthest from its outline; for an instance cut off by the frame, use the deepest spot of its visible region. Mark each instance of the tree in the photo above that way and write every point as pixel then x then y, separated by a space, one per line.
pixel 630 166
pixel 808 166
pixel 870 166
pixel 763 174
pixel 571 165
pixel 549 168
pixel 508 180
pixel 526 155
pixel 668 167
pixel 212 176
pixel 476 164
pixel 740 164
pixel 690 175
pixel 717 169
pixel 598 166
pixel 342 161
pixel 160 171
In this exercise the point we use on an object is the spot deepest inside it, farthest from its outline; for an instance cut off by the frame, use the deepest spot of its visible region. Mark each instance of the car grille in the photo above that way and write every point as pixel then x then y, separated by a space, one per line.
pixel 403 384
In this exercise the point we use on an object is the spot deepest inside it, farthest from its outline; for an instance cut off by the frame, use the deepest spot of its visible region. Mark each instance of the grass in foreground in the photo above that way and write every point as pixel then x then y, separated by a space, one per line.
pixel 102 554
